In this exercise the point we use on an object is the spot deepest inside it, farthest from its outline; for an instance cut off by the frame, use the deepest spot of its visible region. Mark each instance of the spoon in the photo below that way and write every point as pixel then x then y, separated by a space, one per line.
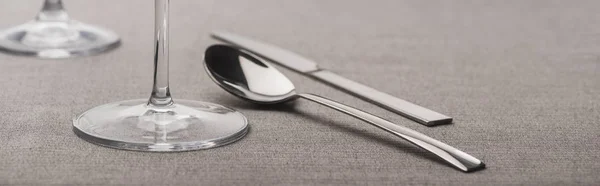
pixel 246 76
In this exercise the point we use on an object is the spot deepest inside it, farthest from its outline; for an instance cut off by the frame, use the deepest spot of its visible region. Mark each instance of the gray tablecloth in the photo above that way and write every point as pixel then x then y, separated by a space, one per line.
pixel 520 77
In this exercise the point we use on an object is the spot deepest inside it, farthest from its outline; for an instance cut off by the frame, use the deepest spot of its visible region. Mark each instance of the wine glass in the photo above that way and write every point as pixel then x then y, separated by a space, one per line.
pixel 52 34
pixel 161 123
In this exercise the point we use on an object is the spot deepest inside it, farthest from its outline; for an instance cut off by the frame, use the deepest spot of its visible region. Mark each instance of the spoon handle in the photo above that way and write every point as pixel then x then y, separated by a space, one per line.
pixel 457 158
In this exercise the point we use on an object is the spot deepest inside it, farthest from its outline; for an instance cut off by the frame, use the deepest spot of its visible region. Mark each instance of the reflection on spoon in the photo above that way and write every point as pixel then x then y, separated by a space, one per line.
pixel 251 79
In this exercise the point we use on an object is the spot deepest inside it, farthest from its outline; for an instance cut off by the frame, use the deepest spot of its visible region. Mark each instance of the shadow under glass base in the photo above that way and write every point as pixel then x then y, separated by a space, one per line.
pixel 184 126
pixel 57 39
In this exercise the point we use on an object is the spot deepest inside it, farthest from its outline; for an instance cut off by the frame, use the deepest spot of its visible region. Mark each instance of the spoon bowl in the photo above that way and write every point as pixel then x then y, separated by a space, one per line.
pixel 247 77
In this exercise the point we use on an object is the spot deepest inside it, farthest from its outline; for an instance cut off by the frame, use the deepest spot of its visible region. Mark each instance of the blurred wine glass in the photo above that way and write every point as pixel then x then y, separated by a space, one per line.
pixel 52 34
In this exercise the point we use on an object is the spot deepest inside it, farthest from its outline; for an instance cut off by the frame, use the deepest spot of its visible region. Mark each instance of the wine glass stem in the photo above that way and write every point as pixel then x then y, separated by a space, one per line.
pixel 161 95
pixel 52 10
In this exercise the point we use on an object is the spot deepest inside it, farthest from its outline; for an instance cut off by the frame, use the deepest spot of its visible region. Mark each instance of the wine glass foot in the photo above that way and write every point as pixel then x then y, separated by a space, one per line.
pixel 57 39
pixel 184 126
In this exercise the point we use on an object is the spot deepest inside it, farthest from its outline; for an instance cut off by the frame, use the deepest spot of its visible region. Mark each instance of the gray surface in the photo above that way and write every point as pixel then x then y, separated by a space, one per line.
pixel 520 77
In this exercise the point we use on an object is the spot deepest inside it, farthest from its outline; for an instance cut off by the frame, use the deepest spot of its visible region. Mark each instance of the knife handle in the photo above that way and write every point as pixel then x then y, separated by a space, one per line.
pixel 407 109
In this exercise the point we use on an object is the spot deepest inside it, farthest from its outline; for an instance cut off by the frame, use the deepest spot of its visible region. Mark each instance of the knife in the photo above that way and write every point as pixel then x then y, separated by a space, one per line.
pixel 310 68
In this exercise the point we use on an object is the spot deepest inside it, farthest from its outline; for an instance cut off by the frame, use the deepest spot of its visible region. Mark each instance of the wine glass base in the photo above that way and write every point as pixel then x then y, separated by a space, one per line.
pixel 184 126
pixel 57 39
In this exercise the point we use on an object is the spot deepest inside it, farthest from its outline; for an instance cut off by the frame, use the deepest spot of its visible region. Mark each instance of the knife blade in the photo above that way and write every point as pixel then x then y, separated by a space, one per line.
pixel 310 68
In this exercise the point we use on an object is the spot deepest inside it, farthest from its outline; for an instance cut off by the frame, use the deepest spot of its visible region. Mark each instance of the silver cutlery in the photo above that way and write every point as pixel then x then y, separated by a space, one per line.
pixel 246 76
pixel 310 68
